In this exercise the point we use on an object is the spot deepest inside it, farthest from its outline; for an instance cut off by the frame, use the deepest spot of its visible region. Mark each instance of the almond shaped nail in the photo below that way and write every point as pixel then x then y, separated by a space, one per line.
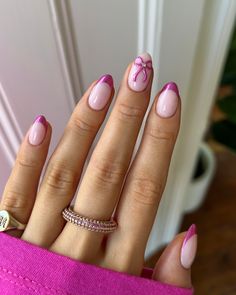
pixel 101 93
pixel 189 247
pixel 38 130
pixel 168 100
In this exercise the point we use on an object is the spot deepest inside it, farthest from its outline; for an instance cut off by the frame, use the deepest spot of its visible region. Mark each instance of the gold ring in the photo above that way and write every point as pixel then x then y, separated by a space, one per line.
pixel 7 221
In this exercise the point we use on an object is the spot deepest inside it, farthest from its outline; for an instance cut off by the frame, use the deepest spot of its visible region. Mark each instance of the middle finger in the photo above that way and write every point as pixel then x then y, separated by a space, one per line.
pixel 102 181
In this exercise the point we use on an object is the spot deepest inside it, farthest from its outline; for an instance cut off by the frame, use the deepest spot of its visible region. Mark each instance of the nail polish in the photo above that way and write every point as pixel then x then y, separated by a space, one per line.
pixel 101 93
pixel 189 247
pixel 38 130
pixel 140 72
pixel 168 100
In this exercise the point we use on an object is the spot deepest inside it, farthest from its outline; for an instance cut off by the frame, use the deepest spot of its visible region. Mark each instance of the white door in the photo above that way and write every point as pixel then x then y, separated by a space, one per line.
pixel 50 51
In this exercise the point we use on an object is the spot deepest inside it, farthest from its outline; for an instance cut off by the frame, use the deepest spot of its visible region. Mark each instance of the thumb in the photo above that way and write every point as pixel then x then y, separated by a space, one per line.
pixel 174 265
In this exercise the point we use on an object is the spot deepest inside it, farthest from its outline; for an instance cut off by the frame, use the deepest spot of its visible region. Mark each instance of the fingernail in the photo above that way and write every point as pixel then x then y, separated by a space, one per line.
pixel 168 100
pixel 140 72
pixel 38 130
pixel 101 93
pixel 189 247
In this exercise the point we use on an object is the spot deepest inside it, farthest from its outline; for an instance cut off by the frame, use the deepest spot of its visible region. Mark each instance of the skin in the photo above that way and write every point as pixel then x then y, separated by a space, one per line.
pixel 101 186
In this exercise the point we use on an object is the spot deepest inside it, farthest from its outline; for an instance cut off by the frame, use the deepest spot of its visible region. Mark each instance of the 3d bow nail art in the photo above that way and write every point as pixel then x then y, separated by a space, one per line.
pixel 140 72
pixel 142 67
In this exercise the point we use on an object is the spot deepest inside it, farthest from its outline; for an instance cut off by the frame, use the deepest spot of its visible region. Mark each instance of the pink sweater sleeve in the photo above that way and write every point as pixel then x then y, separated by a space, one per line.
pixel 29 269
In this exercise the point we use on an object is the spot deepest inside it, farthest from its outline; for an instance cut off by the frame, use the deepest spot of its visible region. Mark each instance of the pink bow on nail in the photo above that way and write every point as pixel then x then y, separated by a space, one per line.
pixel 142 67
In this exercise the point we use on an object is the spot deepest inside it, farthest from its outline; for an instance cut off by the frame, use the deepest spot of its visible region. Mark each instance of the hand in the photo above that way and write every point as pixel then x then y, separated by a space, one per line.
pixel 101 186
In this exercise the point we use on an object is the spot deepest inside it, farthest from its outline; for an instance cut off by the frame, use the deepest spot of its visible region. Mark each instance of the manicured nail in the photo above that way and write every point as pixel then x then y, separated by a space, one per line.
pixel 101 93
pixel 140 72
pixel 38 130
pixel 189 247
pixel 168 100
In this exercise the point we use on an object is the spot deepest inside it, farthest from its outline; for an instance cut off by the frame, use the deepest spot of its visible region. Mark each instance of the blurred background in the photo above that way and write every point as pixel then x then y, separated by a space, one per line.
pixel 214 271
pixel 51 50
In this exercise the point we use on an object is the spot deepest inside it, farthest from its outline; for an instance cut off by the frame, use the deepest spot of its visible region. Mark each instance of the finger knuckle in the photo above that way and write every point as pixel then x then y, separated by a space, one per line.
pixel 146 191
pixel 107 171
pixel 161 135
pixel 14 201
pixel 81 125
pixel 27 161
pixel 60 178
pixel 128 112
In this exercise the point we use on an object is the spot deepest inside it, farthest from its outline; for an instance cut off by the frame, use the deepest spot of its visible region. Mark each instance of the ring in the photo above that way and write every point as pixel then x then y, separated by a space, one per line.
pixel 104 226
pixel 7 221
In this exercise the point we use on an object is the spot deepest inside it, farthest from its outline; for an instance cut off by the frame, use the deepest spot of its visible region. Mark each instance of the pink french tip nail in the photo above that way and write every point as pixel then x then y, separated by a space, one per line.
pixel 38 130
pixel 140 72
pixel 189 247
pixel 101 93
pixel 171 86
pixel 168 100
pixel 106 79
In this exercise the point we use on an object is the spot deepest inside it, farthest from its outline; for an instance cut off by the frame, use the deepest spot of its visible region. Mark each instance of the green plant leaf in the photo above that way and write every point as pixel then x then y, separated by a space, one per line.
pixel 225 132
pixel 228 106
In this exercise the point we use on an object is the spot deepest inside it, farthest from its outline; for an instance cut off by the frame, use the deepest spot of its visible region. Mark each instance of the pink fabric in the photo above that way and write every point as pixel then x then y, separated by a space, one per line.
pixel 29 269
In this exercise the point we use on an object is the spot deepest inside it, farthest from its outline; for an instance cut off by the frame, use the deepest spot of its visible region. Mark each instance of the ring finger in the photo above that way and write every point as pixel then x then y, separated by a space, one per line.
pixel 66 164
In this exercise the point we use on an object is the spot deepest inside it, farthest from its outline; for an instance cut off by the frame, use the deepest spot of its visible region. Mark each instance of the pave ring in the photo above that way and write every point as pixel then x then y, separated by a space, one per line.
pixel 104 226
pixel 7 222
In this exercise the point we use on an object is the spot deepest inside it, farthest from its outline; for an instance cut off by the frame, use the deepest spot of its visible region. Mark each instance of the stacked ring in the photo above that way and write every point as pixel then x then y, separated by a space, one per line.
pixel 104 226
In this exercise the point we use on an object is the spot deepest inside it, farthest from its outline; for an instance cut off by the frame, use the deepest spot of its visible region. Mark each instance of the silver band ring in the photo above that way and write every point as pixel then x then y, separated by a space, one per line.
pixel 104 226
